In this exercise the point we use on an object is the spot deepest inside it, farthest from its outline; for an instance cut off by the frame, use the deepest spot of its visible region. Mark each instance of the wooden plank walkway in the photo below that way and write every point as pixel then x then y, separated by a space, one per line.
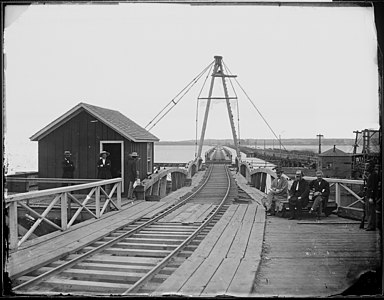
pixel 50 247
pixel 226 261
pixel 243 255
pixel 308 258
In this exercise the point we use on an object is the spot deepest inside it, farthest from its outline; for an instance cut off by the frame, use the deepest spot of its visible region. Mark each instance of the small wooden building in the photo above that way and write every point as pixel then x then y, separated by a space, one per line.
pixel 86 130
pixel 335 163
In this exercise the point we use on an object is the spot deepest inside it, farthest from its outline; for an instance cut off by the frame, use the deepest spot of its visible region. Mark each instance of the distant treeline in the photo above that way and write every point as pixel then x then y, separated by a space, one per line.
pixel 260 142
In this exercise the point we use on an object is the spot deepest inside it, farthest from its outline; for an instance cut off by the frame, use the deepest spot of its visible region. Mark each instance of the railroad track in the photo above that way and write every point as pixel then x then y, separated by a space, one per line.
pixel 138 257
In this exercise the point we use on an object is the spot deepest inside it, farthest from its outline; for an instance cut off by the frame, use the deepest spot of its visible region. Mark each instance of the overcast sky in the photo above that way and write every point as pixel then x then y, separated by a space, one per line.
pixel 309 70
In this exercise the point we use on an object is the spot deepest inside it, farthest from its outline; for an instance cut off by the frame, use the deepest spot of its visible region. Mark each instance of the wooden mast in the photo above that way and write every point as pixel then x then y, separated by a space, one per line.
pixel 218 72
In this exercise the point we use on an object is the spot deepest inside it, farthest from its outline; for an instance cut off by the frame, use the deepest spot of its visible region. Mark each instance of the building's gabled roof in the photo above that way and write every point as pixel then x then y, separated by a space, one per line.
pixel 112 118
pixel 334 152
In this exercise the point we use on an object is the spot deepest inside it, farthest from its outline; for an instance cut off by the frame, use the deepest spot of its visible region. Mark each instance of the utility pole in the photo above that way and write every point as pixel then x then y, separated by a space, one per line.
pixel 356 145
pixel 320 136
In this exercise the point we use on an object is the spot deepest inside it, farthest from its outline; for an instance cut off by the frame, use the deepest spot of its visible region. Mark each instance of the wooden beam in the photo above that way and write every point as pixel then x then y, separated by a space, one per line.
pixel 13 228
pixel 42 218
pixel 351 192
pixel 49 180
pixel 64 211
pixel 36 194
pixel 218 98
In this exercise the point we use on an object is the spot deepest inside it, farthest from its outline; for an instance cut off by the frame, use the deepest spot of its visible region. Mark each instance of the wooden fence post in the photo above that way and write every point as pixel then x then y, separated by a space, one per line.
pixel 64 211
pixel 155 188
pixel 163 187
pixel 174 182
pixel 338 194
pixel 97 201
pixel 118 195
pixel 263 182
pixel 13 225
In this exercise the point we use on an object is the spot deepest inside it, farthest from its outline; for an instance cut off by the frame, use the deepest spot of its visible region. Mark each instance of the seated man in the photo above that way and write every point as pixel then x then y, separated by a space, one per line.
pixel 278 192
pixel 320 189
pixel 298 196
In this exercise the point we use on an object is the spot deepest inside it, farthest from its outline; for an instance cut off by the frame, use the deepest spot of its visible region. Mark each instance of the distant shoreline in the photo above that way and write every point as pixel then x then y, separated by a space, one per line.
pixel 260 142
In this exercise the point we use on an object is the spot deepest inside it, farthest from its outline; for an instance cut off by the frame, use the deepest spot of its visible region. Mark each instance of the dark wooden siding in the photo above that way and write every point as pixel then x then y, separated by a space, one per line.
pixel 341 166
pixel 74 142
pixel 83 171
pixel 82 135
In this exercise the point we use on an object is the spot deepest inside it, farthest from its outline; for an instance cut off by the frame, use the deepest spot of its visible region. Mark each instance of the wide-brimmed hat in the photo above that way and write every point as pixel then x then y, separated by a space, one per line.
pixel 134 154
pixel 67 152
pixel 104 152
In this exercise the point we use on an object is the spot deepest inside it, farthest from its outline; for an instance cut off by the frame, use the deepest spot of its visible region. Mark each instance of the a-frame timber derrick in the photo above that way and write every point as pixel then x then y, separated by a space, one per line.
pixel 218 71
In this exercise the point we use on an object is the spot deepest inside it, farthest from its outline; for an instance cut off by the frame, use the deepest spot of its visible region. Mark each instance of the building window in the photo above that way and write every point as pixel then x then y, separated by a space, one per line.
pixel 149 158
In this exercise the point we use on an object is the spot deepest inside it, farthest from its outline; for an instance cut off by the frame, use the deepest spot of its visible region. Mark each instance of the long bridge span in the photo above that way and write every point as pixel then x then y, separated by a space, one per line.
pixel 209 236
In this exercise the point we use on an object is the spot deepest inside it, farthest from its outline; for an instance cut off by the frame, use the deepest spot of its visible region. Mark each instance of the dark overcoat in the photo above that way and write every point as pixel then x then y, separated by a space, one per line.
pixel 104 170
pixel 68 168
pixel 372 186
pixel 302 191
pixel 321 186
pixel 131 169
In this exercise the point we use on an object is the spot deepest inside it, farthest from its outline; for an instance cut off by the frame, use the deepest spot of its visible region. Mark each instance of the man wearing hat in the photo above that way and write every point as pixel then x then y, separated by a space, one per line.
pixel 68 166
pixel 132 172
pixel 104 166
pixel 298 196
pixel 278 192
pixel 320 190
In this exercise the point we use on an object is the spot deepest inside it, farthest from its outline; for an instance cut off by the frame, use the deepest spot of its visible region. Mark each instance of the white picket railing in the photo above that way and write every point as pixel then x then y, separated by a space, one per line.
pixel 64 196
pixel 340 184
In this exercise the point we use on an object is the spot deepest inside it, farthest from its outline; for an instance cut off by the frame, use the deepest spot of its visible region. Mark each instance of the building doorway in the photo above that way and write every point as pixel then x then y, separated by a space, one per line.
pixel 116 150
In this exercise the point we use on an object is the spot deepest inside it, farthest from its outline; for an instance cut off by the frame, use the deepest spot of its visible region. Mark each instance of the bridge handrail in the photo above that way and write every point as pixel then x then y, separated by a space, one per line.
pixel 339 183
pixel 35 194
pixel 63 196
pixel 337 180
pixel 49 180
pixel 158 176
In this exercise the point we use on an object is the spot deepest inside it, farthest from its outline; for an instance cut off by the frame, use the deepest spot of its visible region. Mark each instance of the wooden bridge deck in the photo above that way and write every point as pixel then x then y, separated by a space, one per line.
pixel 50 247
pixel 244 254
pixel 226 261
pixel 310 258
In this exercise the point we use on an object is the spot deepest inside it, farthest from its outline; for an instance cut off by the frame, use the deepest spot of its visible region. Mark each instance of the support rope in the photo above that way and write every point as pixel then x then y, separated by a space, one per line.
pixel 197 107
pixel 253 104
pixel 237 102
pixel 186 89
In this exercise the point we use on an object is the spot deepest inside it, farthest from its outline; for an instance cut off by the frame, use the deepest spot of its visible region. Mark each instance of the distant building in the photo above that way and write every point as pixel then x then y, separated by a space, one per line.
pixel 335 163
pixel 86 130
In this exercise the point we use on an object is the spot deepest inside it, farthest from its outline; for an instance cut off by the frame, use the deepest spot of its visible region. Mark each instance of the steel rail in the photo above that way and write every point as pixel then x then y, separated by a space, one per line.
pixel 84 256
pixel 153 272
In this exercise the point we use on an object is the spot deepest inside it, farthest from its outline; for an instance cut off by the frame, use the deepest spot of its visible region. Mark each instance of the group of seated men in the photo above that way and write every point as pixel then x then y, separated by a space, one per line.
pixel 298 195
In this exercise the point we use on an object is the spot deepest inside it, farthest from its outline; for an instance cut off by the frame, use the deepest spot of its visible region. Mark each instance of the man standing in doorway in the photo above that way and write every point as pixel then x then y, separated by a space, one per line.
pixel 132 174
pixel 104 168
